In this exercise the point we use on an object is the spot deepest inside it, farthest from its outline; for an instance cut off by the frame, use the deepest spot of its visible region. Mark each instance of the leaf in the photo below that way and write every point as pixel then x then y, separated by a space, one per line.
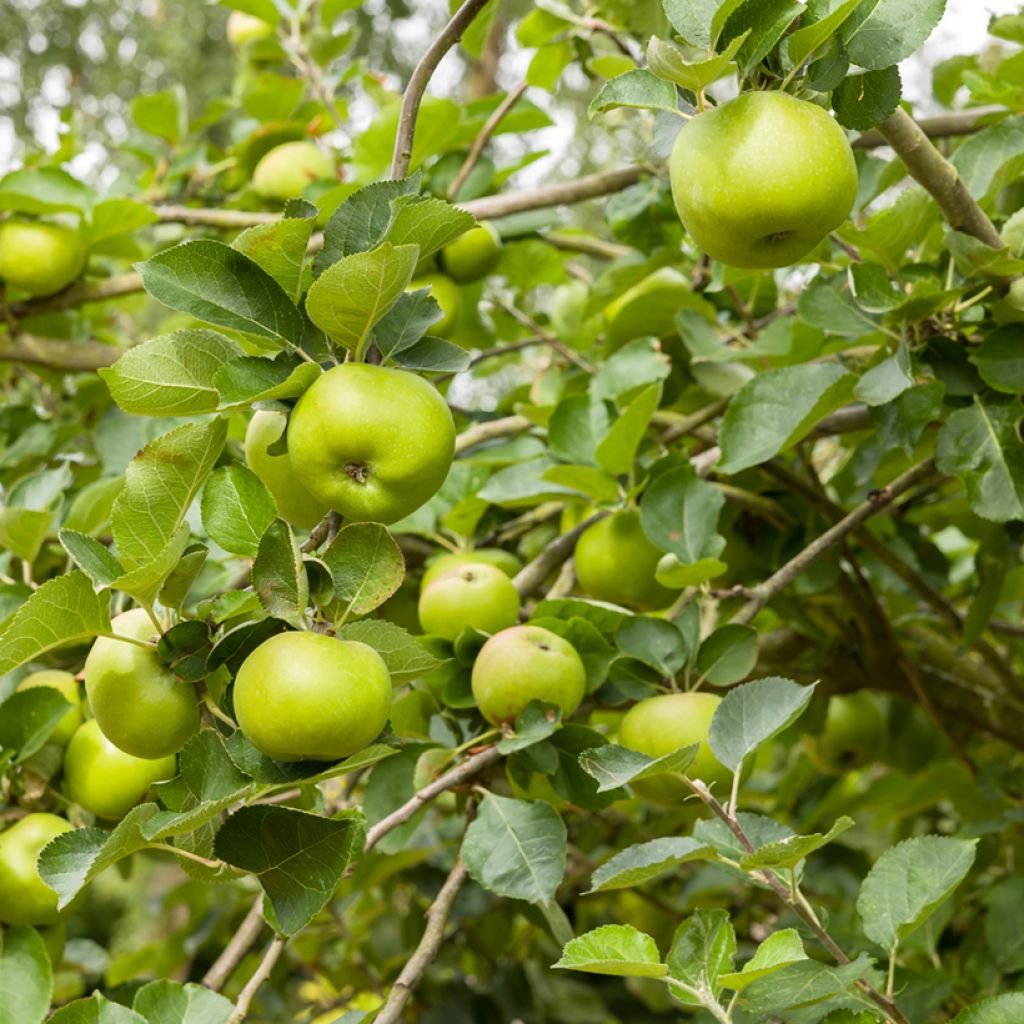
pixel 616 452
pixel 908 883
pixel 637 363
pixel 63 610
pixel 806 39
pixel 536 722
pixel 728 655
pixel 96 1010
pixel 160 483
pixel 788 852
pixel 638 89
pixel 616 949
pixel 864 101
pixel 299 858
pixel 668 61
pixel 92 557
pixel 406 322
pixel 366 564
pixel 776 409
pixel 804 983
pixel 350 296
pixel 780 949
pixel 26 977
pixel 516 848
pixel 164 114
pixel 1004 1009
pixel 28 717
pixel 169 1002
pixel 237 508
pixel 214 283
pixel 763 24
pixel 884 33
pixel 597 484
pixel 656 642
pixel 279 575
pixel 692 19
pixel 752 713
pixel 988 158
pixel 427 222
pixel 887 380
pixel 43 190
pixel 173 375
pixel 613 766
pixel 256 379
pixel 646 861
pixel 144 582
pixel 679 513
pixel 279 249
pixel 1000 359
pixel 981 445
pixel 405 657
pixel 702 949
pixel 433 355
pixel 576 428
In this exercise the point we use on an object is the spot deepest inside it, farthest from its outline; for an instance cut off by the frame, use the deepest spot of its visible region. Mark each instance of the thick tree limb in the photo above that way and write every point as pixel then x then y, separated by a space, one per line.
pixel 32 350
pixel 489 128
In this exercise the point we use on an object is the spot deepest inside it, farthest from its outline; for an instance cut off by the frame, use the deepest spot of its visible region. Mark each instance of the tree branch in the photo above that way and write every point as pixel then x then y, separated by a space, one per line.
pixel 533 574
pixel 79 294
pixel 489 430
pixel 942 126
pixel 260 975
pixel 489 128
pixel 57 355
pixel 449 36
pixel 239 944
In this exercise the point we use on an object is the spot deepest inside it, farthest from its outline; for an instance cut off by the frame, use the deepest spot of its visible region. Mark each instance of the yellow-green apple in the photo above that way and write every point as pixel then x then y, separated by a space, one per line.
pixel 284 171
pixel 853 733
pixel 474 254
pixel 442 565
pixel 474 594
pixel 24 897
pixel 39 258
pixel 67 686
pixel 445 293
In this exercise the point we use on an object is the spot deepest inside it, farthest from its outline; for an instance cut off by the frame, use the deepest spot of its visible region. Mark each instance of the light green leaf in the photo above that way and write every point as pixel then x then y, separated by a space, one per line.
pixel 613 766
pixel 668 61
pixel 279 248
pixel 780 949
pixel 164 114
pixel 279 575
pixel 26 977
pixel 679 513
pixel 888 31
pixel 256 379
pixel 1000 359
pixel 645 861
pixel 237 508
pixel 692 19
pixel 96 1010
pixel 1004 1009
pixel 888 379
pixel 804 983
pixel 144 582
pixel 28 717
pixel 92 557
pixel 405 657
pixel 702 950
pixel 616 949
pixel 638 89
pixel 366 564
pixel 427 222
pixel 806 39
pixel 170 1002
pixel 788 852
pixel 616 452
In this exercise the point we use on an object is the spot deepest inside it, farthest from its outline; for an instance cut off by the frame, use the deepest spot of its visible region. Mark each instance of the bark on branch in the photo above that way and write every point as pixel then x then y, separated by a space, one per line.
pixel 31 350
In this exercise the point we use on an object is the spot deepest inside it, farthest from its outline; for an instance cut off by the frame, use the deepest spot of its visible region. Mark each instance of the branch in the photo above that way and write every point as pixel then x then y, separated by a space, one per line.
pixel 569 242
pixel 239 944
pixel 931 169
pixel 534 573
pixel 260 975
pixel 427 950
pixel 449 36
pixel 57 355
pixel 942 126
pixel 327 527
pixel 79 294
pixel 489 430
pixel 227 219
pixel 489 128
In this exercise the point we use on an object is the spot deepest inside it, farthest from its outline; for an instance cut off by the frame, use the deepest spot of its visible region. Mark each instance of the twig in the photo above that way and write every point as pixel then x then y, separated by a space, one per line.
pixel 489 430
pixel 32 350
pixel 239 944
pixel 533 574
pixel 260 975
pixel 325 529
pixel 549 339
pixel 448 37
pixel 79 294
pixel 942 126
pixel 680 425
pixel 569 242
pixel 489 128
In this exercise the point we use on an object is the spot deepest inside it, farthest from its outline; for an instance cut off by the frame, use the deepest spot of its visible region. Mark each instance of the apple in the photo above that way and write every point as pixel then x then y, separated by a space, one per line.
pixel 474 254
pixel 657 726
pixel 24 897
pixel 616 562
pixel 649 307
pixel 443 565
pixel 525 663
pixel 245 28
pixel 39 258
pixel 446 294
pixel 66 684
pixel 284 171
pixel 475 594
pixel 140 705
pixel 853 734
pixel 370 442
pixel 309 697
pixel 294 502
pixel 104 780
pixel 759 181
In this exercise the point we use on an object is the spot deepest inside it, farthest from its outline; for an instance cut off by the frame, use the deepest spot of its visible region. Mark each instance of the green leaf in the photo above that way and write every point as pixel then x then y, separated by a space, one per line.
pixel 646 861
pixel 888 379
pixel 144 582
pixel 23 530
pixel 616 452
pixel 679 513
pixel 169 1002
pixel 908 883
pixel 656 642
pixel 728 655
pixel 43 190
pixel 26 977
pixel 114 217
pixel 350 296
pixel 780 949
pixel 173 375
pixel 597 484
pixel 92 557
pixel 406 322
pixel 762 24
pixel 617 949
pixel 987 160
pixel 778 408
pixel 886 32
pixel 1004 1009
pixel 637 89
pixel 90 508
pixel 215 283
pixel 427 222
pixel 164 114
pixel 63 610
pixel 668 61
pixel 96 1010
pixel 864 101
pixel 702 949
pixel 805 983
pixel 1000 359
pixel 279 249
pixel 237 508
pixel 692 19
pixel 433 355
pixel 637 363
pixel 279 575
pixel 27 717
pixel 366 565
pixel 753 713
pixel 788 852
pixel 675 575
pixel 516 848
pixel 613 766
pixel 576 428
pixel 405 657
pixel 256 379
pixel 806 39
pixel 299 858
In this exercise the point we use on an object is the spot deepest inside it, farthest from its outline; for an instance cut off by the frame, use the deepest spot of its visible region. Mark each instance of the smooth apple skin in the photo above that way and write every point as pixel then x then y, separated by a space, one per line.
pixel 449 562
pixel 67 685
pixel 370 442
pixel 476 595
pixel 473 255
pixel 294 502
pixel 758 182
pixel 854 733
pixel 141 706
pixel 309 697
pixel 104 780
pixel 657 726
pixel 284 171
pixel 39 258
pixel 24 897
pixel 525 663
pixel 446 293
pixel 616 562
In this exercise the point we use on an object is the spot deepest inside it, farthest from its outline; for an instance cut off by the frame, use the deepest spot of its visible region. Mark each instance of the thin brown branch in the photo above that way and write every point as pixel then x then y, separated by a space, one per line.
pixel 569 242
pixel 326 529
pixel 679 425
pixel 942 126
pixel 479 433
pixel 532 576
pixel 488 130
pixel 57 355
pixel 79 294
pixel 413 96
pixel 260 975
pixel 229 220
pixel 239 944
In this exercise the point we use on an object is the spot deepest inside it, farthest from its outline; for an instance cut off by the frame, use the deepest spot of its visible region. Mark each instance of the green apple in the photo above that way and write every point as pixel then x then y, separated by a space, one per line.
pixel 140 705
pixel 616 562
pixel 854 733
pixel 103 779
pixel 39 258
pixel 649 307
pixel 370 442
pixel 284 171
pixel 525 663
pixel 445 293
pixel 294 502
pixel 442 565
pixel 309 697
pixel 657 726
pixel 473 254
pixel 66 684
pixel 758 182
pixel 24 897
pixel 245 28
pixel 474 594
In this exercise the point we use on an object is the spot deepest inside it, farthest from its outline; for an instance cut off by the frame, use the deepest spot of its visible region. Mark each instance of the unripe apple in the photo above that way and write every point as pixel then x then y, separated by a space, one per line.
pixel 285 171
pixel 474 254
pixel 245 28
pixel 449 562
pixel 445 293
pixel 476 595
pixel 853 734
pixel 24 897
pixel 294 502
pixel 39 258
pixel 103 779
pixel 370 442
pixel 309 697
pixel 66 684
pixel 659 725
pixel 761 180
pixel 616 562
pixel 649 307
pixel 140 705
pixel 525 663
